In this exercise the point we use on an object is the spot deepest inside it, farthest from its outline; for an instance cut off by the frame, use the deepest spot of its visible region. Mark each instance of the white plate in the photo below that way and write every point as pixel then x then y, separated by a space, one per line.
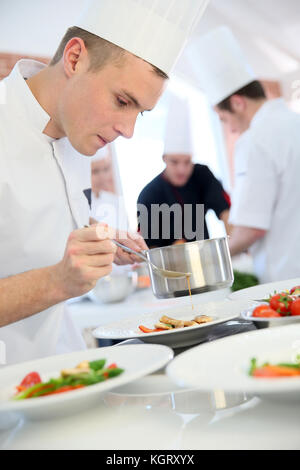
pixel 136 360
pixel 129 328
pixel 263 291
pixel 247 315
pixel 224 364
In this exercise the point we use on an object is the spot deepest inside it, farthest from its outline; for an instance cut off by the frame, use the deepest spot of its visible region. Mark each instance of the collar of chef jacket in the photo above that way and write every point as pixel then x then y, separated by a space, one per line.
pixel 75 168
pixel 268 107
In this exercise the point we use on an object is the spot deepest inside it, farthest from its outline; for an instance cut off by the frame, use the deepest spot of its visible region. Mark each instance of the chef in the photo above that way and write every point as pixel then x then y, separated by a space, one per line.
pixel 184 191
pixel 266 196
pixel 105 72
pixel 106 206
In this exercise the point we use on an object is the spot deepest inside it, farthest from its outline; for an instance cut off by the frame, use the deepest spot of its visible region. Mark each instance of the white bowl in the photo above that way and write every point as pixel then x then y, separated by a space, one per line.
pixel 114 288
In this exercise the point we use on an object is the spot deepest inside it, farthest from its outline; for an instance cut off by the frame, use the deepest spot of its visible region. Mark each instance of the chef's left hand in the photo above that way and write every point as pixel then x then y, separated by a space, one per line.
pixel 132 240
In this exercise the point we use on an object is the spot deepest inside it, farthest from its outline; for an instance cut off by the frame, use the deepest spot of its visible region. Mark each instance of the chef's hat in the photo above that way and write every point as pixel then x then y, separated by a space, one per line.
pixel 219 64
pixel 178 136
pixel 154 30
pixel 102 153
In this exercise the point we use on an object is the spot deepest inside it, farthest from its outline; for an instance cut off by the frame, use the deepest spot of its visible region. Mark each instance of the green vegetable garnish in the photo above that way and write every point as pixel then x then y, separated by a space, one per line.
pixel 97 365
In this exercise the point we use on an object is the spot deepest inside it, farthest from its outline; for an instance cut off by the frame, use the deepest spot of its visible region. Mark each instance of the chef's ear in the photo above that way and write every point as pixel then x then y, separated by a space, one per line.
pixel 75 56
pixel 237 103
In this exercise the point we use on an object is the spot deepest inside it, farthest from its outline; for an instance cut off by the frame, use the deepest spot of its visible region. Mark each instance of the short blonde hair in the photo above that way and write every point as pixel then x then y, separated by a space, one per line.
pixel 100 50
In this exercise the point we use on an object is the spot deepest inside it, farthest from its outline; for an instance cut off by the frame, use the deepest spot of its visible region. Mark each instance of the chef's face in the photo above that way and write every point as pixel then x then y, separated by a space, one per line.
pixel 97 107
pixel 229 120
pixel 179 168
pixel 235 121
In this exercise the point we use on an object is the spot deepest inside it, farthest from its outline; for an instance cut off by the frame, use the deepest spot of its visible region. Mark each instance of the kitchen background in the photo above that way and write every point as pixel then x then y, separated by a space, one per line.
pixel 273 51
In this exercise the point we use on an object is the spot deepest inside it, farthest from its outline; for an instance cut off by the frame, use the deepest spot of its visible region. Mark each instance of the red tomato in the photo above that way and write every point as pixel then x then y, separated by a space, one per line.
pixel 266 313
pixel 261 308
pixel 295 307
pixel 30 380
pixel 281 303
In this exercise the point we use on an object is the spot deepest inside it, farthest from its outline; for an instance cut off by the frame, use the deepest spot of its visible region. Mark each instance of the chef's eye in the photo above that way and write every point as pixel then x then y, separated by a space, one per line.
pixel 122 103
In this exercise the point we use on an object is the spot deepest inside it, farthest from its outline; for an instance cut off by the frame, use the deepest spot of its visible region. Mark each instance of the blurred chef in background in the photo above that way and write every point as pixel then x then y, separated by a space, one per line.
pixel 184 191
pixel 266 196
pixel 106 206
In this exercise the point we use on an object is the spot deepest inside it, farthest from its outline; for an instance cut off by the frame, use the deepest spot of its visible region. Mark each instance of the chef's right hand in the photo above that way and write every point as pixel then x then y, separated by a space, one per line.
pixel 89 255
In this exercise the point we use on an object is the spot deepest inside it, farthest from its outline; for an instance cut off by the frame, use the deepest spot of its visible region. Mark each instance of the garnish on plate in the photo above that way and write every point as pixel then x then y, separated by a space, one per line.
pixel 272 371
pixel 84 374
pixel 167 323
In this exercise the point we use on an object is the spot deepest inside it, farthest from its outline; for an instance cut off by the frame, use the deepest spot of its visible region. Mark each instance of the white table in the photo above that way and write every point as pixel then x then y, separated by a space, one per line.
pixel 158 416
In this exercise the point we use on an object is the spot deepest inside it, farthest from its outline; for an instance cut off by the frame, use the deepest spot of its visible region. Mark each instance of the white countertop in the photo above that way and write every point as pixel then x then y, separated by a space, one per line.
pixel 152 413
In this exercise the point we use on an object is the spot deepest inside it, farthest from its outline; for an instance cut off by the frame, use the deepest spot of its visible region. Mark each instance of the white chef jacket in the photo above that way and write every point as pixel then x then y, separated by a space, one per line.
pixel 41 203
pixel 267 190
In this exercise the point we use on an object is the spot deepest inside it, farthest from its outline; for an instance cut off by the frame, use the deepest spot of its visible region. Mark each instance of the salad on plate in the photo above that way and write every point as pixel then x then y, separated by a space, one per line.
pixel 83 375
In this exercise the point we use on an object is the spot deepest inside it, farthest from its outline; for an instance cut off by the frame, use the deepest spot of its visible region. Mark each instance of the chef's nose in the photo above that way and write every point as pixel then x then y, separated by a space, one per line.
pixel 126 127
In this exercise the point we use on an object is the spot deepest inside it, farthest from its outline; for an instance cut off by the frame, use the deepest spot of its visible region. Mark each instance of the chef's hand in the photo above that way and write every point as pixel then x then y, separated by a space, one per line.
pixel 89 255
pixel 132 240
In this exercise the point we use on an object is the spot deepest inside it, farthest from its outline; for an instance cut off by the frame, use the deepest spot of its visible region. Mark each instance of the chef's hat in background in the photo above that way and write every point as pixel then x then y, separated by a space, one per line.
pixel 219 64
pixel 101 154
pixel 178 135
pixel 154 30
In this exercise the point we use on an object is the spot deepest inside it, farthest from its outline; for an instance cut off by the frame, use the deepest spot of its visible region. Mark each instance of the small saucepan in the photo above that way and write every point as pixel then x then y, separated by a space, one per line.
pixel 207 261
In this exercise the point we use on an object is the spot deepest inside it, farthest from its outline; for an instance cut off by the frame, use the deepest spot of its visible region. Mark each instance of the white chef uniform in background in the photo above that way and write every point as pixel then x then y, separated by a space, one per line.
pixel 267 159
pixel 267 190
pixel 106 206
pixel 42 182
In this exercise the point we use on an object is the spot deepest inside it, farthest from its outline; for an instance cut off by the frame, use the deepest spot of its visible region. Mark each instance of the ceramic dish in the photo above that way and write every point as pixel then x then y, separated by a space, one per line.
pixel 136 360
pixel 225 364
pixel 128 328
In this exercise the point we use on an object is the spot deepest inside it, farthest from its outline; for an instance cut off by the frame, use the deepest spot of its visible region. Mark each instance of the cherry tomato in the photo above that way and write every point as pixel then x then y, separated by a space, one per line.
pixel 261 308
pixel 281 303
pixel 31 379
pixel 266 313
pixel 295 308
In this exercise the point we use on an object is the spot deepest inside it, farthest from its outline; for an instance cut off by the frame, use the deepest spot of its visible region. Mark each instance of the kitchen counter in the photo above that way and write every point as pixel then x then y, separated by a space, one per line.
pixel 152 413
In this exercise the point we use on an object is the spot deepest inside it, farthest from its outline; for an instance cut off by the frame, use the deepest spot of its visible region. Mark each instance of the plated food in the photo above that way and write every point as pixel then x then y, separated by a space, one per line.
pixel 278 307
pixel 273 371
pixel 283 304
pixel 86 373
pixel 224 364
pixel 172 332
pixel 167 323
pixel 136 360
